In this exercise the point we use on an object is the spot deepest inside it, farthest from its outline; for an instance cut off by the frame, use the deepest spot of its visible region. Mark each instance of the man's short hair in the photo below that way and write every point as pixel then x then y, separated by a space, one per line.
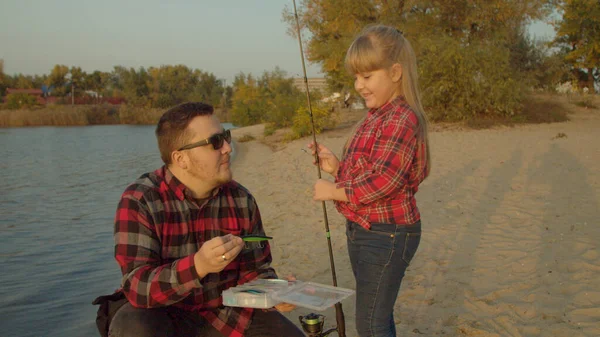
pixel 171 131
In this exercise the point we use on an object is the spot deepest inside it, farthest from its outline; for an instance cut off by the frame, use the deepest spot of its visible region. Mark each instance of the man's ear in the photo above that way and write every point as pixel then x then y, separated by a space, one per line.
pixel 396 72
pixel 179 159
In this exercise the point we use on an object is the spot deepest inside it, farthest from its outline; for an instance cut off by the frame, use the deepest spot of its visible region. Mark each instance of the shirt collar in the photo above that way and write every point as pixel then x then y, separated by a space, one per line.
pixel 173 183
pixel 398 100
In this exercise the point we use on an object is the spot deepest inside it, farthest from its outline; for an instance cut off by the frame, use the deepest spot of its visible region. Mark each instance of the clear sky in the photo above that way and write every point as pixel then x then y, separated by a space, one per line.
pixel 224 37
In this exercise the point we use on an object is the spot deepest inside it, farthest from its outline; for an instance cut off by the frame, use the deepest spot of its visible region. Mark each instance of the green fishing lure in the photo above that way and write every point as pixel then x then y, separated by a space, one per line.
pixel 255 238
pixel 258 239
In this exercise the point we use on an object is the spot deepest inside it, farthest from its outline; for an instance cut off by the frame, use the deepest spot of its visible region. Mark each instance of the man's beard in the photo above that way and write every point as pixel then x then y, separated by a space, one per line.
pixel 220 177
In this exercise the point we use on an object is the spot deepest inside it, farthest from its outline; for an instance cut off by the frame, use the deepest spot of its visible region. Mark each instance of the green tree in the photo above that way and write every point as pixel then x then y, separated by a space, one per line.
pixel 462 82
pixel 131 85
pixel 248 105
pixel 323 118
pixel 24 82
pixel 58 80
pixel 20 100
pixel 170 85
pixel 282 98
pixel 207 89
pixel 270 99
pixel 77 83
pixel 97 81
pixel 579 34
pixel 453 31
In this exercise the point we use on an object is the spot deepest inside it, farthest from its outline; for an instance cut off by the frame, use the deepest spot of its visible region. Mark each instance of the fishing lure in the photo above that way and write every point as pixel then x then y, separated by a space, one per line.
pixel 255 238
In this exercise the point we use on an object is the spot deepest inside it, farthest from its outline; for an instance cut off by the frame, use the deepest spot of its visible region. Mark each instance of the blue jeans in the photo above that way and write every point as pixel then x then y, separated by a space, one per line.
pixel 379 258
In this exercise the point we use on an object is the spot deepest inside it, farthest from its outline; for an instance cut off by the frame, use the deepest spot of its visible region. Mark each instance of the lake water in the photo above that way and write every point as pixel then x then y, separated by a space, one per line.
pixel 57 203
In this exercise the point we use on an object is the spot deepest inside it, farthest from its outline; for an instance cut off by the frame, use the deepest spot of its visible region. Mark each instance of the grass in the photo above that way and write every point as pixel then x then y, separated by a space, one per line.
pixel 81 115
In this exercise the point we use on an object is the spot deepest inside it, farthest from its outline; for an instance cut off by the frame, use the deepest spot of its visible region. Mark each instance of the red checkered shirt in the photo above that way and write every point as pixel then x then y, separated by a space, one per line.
pixel 382 167
pixel 159 227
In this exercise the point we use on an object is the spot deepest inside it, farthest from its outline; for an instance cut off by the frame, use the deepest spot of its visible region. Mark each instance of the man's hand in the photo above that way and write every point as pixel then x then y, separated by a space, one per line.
pixel 216 253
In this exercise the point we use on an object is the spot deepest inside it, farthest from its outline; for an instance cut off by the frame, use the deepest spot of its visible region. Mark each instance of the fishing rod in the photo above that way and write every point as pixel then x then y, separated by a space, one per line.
pixel 313 323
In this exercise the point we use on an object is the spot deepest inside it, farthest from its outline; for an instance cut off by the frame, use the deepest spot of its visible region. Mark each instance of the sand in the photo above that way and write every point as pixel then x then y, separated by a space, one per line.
pixel 510 228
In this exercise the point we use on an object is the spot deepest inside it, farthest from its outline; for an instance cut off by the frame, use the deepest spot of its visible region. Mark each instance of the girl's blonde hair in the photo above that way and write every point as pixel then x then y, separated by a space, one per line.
pixel 380 47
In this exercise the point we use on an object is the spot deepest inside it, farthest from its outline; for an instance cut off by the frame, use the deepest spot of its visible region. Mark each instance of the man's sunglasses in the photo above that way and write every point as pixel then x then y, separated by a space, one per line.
pixel 216 140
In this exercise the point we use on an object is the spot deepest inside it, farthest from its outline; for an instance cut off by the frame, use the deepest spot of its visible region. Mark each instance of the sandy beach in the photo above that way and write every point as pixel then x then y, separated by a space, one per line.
pixel 510 228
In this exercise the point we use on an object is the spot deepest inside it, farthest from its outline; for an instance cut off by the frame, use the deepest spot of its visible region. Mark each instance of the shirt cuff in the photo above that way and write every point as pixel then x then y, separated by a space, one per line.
pixel 186 272
pixel 349 191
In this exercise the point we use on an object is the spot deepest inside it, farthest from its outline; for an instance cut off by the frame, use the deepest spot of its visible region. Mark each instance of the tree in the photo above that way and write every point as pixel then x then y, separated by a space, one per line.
pixel 131 84
pixel 332 25
pixel 170 85
pixel 248 106
pixel 58 79
pixel 208 89
pixel 579 33
pixel 78 79
pixel 282 98
pixel 454 31
pixel 24 82
pixel 271 99
pixel 20 100
pixel 97 82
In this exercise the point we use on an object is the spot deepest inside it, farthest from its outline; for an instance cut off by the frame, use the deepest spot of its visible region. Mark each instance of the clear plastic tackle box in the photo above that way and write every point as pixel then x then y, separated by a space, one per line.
pixel 266 293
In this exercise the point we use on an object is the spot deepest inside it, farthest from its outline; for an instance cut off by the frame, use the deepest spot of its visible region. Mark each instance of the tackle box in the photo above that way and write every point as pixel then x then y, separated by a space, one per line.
pixel 266 293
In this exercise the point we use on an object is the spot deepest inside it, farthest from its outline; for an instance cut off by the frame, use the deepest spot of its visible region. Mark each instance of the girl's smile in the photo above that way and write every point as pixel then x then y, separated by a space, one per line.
pixel 379 86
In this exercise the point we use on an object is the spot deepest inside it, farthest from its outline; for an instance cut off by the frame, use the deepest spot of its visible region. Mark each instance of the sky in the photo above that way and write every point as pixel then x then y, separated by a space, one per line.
pixel 224 37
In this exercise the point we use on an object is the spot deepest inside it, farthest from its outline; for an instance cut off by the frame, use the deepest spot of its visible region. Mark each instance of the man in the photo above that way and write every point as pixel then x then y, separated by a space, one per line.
pixel 177 239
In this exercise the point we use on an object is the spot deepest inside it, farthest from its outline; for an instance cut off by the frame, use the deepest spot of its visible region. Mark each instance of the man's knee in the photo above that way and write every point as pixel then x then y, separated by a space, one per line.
pixel 136 322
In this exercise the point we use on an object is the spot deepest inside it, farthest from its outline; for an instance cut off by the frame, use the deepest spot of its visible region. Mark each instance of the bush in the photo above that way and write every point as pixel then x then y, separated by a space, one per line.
pixel 467 81
pixel 129 114
pixel 269 129
pixel 246 138
pixel 101 114
pixel 323 117
pixel 20 100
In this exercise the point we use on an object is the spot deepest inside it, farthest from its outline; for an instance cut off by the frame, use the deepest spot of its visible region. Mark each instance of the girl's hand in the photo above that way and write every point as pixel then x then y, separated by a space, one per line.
pixel 324 190
pixel 327 160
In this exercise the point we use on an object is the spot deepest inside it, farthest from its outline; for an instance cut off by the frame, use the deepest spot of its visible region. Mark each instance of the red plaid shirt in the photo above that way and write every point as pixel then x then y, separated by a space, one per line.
pixel 159 227
pixel 382 167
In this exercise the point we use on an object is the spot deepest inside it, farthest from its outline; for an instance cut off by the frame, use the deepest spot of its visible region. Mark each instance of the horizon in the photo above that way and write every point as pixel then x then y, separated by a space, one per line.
pixel 37 35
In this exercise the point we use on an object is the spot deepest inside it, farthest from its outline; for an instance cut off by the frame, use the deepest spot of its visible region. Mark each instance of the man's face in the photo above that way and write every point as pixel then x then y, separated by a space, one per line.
pixel 208 165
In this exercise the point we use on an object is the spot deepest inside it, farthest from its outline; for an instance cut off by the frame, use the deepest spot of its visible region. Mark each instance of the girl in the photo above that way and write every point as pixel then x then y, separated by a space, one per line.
pixel 383 163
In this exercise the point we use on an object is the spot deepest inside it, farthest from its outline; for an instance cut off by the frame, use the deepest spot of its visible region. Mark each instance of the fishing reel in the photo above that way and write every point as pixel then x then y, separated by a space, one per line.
pixel 313 324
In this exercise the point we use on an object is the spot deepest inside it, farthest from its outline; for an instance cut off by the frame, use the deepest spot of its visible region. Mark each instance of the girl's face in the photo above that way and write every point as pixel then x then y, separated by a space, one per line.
pixel 378 87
